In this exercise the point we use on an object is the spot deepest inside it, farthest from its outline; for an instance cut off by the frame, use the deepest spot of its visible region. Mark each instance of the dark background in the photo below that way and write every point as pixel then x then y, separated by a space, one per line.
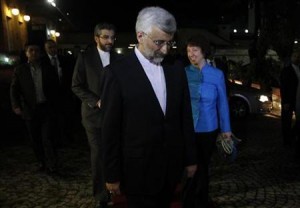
pixel 85 14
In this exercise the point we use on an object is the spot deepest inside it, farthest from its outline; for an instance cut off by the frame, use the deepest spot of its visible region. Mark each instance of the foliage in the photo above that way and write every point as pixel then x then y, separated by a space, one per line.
pixel 266 74
pixel 276 30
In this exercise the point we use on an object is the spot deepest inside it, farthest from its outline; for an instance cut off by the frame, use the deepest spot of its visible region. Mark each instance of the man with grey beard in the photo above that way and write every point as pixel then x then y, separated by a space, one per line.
pixel 147 127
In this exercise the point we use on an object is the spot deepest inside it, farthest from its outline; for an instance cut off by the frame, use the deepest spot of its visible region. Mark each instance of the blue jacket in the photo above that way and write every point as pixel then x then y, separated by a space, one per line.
pixel 208 99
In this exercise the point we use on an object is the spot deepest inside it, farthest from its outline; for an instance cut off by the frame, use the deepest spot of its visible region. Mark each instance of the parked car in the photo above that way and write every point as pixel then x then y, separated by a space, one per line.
pixel 245 100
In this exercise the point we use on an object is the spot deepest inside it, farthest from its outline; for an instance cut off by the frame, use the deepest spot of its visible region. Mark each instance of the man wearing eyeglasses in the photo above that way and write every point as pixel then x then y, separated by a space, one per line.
pixel 86 84
pixel 147 127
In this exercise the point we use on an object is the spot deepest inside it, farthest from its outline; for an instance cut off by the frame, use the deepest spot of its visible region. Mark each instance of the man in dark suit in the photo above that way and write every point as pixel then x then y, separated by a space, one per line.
pixel 147 126
pixel 33 92
pixel 86 84
pixel 290 101
pixel 63 66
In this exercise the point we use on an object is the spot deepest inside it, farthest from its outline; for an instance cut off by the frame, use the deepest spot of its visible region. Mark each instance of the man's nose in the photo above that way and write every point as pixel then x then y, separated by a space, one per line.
pixel 165 49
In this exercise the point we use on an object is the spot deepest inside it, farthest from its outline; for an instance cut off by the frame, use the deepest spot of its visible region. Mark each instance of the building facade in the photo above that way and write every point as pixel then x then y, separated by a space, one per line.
pixel 13 27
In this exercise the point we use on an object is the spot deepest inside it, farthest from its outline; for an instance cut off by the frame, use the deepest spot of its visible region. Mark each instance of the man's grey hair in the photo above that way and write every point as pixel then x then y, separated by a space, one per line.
pixel 155 16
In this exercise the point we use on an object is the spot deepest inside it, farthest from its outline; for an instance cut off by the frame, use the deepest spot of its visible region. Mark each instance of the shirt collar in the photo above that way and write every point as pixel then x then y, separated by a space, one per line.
pixel 101 52
pixel 142 58
pixel 55 56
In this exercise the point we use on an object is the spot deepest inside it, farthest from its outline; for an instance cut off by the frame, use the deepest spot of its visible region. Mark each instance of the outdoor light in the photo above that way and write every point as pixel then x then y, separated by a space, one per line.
pixel 263 98
pixel 246 30
pixel 26 18
pixel 235 30
pixel 296 41
pixel 52 32
pixel 15 11
pixel 50 1
pixel 57 34
pixel 53 4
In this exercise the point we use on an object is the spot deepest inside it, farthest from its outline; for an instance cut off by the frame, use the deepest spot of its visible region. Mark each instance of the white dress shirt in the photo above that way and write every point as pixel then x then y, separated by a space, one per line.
pixel 36 74
pixel 104 56
pixel 156 76
pixel 55 62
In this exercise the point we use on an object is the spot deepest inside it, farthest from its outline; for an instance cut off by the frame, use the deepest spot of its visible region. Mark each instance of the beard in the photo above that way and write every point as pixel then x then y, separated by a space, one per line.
pixel 106 47
pixel 155 57
pixel 157 60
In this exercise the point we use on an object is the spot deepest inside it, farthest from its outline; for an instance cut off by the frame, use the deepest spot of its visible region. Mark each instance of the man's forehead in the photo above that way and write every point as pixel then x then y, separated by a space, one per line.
pixel 106 31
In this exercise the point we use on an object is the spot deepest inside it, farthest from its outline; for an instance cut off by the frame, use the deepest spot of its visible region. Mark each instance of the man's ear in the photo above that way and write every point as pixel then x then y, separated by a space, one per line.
pixel 96 38
pixel 139 36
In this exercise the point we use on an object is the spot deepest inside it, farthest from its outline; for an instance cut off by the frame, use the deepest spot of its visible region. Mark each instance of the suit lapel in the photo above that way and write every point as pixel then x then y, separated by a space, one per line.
pixel 145 83
pixel 95 59
pixel 98 59
pixel 168 86
pixel 28 76
pixel 112 57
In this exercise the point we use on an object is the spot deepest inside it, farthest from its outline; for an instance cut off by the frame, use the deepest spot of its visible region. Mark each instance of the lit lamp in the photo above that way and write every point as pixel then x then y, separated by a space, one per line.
pixel 52 32
pixel 57 34
pixel 26 18
pixel 15 11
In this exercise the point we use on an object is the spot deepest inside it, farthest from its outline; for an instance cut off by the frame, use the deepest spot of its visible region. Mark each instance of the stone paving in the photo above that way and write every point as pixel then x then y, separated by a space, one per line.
pixel 264 174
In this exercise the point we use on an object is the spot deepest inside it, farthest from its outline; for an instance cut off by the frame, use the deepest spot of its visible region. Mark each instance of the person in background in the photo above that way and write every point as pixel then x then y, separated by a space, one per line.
pixel 210 114
pixel 147 121
pixel 64 68
pixel 33 93
pixel 86 84
pixel 290 102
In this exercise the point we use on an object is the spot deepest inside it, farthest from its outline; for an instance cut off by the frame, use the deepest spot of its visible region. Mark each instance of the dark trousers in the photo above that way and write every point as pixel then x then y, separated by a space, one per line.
pixel 66 121
pixel 297 132
pixel 63 129
pixel 160 200
pixel 288 130
pixel 40 128
pixel 197 188
pixel 99 190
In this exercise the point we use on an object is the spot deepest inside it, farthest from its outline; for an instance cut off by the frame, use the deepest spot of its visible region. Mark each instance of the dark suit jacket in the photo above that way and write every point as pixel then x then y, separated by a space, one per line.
pixel 86 84
pixel 67 66
pixel 288 86
pixel 143 147
pixel 22 90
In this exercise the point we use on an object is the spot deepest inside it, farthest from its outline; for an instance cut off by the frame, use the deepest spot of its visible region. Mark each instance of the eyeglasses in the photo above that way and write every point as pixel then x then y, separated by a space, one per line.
pixel 106 37
pixel 161 43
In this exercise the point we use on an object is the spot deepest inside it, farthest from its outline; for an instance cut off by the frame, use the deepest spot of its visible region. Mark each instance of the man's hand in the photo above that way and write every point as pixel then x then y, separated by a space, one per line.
pixel 113 188
pixel 226 135
pixel 191 170
pixel 99 104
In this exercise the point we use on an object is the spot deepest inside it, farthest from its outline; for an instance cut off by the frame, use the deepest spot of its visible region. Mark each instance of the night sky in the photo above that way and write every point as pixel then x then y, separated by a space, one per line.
pixel 86 14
